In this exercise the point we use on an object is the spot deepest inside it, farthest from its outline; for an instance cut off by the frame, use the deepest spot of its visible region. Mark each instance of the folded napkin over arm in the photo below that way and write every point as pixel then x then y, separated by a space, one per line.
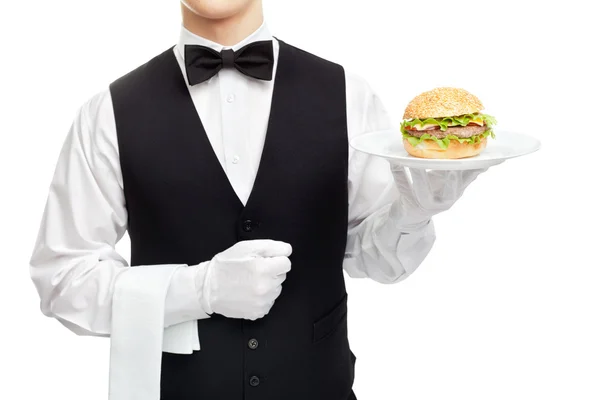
pixel 138 336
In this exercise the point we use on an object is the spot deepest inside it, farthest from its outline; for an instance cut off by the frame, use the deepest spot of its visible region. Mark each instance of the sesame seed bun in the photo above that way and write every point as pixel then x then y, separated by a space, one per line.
pixel 442 102
pixel 430 149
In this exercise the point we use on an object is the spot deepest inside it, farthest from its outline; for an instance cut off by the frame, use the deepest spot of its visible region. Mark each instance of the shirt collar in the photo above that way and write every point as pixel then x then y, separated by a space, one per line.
pixel 187 37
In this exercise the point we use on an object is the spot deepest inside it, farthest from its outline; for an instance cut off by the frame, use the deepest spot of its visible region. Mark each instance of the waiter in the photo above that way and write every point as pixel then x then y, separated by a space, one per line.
pixel 226 159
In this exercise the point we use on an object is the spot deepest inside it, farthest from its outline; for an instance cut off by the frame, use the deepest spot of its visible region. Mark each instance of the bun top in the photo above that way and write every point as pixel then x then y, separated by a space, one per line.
pixel 442 102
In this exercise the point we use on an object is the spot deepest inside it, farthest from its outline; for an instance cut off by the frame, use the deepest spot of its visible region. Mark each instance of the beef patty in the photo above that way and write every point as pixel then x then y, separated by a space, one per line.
pixel 459 131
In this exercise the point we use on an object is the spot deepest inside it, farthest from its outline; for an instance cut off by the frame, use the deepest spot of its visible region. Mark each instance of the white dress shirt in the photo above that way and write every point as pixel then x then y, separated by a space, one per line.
pixel 74 264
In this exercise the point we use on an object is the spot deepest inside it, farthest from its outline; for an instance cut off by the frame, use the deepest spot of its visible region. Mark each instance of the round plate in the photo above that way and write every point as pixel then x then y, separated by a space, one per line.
pixel 388 144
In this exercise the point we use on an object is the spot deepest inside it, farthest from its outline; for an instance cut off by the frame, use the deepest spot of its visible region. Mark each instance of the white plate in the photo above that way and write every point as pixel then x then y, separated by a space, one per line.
pixel 388 144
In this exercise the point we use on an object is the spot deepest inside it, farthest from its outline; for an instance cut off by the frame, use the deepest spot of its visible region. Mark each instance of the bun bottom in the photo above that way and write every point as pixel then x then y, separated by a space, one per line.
pixel 430 149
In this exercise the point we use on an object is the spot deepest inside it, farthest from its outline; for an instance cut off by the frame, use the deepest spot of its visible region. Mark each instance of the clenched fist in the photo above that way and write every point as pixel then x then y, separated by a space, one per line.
pixel 244 280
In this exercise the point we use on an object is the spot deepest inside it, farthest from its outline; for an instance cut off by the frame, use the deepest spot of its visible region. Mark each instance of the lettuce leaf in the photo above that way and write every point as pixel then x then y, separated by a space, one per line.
pixel 445 141
pixel 444 123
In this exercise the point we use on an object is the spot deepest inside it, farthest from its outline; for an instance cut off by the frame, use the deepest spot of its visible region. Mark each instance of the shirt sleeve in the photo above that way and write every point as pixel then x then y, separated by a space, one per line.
pixel 74 264
pixel 376 248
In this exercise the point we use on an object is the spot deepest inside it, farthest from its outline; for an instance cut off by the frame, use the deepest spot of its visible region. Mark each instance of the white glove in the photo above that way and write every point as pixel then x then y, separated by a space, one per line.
pixel 244 280
pixel 430 193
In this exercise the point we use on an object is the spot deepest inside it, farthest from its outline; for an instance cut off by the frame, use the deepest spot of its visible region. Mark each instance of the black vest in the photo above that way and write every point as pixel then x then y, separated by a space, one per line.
pixel 182 209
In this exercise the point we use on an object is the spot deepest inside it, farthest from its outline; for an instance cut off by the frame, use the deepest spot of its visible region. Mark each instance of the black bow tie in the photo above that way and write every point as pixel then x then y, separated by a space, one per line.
pixel 254 59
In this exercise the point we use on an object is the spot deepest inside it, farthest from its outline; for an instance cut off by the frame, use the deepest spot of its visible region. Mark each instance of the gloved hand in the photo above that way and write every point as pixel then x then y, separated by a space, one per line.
pixel 429 193
pixel 244 280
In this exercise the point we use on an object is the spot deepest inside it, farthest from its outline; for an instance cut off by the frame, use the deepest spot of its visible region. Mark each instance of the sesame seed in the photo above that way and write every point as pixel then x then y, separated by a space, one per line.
pixel 443 102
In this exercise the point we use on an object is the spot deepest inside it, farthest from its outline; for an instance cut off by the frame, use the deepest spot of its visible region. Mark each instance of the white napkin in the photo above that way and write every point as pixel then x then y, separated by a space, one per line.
pixel 138 336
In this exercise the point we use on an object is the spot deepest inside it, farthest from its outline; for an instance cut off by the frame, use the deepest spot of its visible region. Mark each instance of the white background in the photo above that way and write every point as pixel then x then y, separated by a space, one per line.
pixel 506 306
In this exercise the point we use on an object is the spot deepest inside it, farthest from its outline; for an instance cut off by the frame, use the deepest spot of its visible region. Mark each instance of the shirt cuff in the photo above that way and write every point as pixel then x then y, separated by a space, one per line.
pixel 182 302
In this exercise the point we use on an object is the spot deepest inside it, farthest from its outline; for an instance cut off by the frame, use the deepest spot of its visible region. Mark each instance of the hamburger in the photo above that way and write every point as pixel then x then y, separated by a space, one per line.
pixel 446 123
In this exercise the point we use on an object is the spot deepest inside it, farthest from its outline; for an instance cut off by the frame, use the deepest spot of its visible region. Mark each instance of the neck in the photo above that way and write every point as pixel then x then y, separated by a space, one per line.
pixel 226 31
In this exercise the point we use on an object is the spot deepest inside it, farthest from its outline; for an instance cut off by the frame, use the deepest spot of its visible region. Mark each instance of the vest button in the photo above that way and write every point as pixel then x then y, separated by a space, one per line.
pixel 253 344
pixel 254 381
pixel 247 226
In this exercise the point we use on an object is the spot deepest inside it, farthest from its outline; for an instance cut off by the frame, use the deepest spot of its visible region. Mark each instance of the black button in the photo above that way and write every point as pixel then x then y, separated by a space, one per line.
pixel 254 381
pixel 253 344
pixel 247 226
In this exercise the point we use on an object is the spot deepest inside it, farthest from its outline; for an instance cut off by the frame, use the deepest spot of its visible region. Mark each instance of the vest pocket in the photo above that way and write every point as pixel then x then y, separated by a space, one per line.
pixel 329 323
